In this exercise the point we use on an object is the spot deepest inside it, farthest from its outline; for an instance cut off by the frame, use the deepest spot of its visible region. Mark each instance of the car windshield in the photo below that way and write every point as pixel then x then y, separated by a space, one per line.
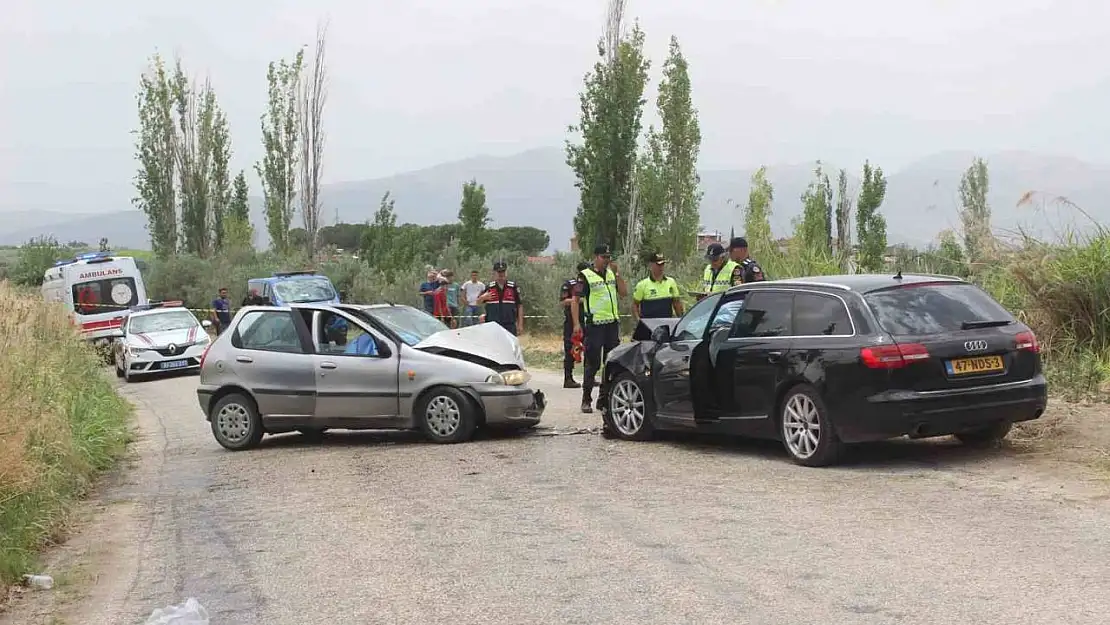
pixel 410 324
pixel 934 308
pixel 316 289
pixel 161 322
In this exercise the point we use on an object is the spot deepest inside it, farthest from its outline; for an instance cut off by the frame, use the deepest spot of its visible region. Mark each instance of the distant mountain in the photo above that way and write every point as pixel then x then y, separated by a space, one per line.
pixel 536 188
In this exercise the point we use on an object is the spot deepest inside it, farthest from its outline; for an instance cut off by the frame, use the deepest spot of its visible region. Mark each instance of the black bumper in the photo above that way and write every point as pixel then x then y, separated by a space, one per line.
pixel 922 414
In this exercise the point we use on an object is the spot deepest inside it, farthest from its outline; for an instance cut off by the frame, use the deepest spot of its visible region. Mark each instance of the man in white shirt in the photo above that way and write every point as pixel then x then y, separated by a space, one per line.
pixel 472 289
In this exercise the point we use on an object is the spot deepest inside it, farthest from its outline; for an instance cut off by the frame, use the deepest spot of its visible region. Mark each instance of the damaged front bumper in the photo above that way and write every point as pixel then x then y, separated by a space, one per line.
pixel 512 406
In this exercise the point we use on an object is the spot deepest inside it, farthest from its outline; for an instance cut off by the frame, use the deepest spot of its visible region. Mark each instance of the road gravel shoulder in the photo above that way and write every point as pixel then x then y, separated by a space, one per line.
pixel 164 491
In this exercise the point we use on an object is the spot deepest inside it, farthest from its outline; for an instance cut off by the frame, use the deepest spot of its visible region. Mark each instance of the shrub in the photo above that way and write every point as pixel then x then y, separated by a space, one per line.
pixel 61 422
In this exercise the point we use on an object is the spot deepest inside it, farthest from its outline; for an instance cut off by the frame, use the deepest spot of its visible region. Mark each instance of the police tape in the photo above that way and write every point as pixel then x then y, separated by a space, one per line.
pixel 121 309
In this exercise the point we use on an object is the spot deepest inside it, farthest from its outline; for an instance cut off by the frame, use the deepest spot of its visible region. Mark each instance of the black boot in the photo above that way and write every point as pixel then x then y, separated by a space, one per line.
pixel 586 407
pixel 570 382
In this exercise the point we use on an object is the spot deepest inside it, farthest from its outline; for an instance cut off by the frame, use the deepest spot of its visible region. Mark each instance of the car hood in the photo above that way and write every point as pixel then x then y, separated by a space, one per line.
pixel 486 341
pixel 184 336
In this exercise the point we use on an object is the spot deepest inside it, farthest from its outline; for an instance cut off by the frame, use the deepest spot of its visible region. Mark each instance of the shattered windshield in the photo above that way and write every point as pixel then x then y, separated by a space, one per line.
pixel 317 289
pixel 410 324
pixel 162 322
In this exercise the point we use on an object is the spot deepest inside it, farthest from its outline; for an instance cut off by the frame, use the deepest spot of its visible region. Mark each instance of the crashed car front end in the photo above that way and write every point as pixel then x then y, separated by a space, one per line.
pixel 493 355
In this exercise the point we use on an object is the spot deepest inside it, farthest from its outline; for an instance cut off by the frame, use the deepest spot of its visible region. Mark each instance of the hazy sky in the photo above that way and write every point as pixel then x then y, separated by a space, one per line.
pixel 418 82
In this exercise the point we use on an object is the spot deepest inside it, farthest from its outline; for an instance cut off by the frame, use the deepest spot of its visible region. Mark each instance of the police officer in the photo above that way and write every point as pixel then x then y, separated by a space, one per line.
pixel 597 290
pixel 657 295
pixel 749 269
pixel 504 304
pixel 566 298
pixel 721 272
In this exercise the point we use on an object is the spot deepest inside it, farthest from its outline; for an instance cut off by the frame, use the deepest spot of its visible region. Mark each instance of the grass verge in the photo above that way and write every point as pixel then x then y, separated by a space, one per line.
pixel 61 423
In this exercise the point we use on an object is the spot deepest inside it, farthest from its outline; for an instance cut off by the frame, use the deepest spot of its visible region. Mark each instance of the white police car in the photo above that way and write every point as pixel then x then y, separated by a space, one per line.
pixel 157 338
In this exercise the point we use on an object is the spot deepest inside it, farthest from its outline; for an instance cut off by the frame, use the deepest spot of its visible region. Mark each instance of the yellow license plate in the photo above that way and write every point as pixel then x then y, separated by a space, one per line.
pixel 981 364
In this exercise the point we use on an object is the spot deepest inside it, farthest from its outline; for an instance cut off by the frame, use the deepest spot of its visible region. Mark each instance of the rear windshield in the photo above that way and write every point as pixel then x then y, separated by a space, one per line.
pixel 933 308
pixel 101 296
pixel 314 289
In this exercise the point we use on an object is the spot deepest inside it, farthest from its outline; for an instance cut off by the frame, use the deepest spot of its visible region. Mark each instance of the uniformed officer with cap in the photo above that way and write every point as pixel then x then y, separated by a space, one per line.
pixel 566 298
pixel 749 269
pixel 597 290
pixel 721 272
pixel 504 304
pixel 656 296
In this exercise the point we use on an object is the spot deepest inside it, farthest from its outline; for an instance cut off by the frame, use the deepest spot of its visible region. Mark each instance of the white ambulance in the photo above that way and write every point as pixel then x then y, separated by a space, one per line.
pixel 99 289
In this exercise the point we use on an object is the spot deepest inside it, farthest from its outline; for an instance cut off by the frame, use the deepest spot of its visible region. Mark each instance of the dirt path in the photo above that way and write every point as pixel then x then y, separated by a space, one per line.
pixel 370 528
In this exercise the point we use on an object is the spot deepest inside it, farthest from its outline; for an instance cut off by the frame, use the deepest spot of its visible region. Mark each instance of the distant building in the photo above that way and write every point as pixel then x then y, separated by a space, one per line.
pixel 707 238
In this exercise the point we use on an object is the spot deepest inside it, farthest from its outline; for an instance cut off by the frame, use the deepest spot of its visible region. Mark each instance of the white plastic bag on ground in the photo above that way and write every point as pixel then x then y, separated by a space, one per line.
pixel 189 613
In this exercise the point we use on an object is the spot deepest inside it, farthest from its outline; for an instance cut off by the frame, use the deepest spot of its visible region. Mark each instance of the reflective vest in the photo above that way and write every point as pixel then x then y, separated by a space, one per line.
pixel 723 280
pixel 601 302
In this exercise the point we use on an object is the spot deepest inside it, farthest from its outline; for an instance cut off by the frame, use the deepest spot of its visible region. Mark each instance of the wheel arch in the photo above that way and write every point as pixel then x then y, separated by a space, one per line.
pixel 476 400
pixel 780 397
pixel 231 389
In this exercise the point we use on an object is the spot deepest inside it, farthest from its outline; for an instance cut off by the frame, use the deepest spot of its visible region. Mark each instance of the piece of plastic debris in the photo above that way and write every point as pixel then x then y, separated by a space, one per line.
pixel 189 613
pixel 45 582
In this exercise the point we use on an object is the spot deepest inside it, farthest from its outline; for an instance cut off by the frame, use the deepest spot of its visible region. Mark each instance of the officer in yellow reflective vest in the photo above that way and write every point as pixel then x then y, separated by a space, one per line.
pixel 721 272
pixel 596 290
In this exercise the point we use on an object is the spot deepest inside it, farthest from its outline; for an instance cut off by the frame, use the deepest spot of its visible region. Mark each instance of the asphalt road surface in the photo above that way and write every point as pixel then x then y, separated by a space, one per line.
pixel 383 528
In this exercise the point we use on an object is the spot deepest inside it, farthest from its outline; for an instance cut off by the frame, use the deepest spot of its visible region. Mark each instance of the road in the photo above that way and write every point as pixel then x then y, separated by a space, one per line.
pixel 382 528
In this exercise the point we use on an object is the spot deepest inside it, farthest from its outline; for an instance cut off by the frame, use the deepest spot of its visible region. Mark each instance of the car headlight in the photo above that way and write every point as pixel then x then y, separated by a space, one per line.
pixel 203 339
pixel 510 378
pixel 135 351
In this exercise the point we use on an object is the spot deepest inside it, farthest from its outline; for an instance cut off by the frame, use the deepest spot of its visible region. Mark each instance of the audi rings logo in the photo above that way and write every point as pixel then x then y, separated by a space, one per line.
pixel 975 346
pixel 171 348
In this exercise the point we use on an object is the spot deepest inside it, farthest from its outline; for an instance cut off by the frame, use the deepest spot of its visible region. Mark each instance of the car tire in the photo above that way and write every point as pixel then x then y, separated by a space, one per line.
pixel 986 436
pixel 313 434
pixel 236 424
pixel 630 414
pixel 119 368
pixel 802 418
pixel 447 416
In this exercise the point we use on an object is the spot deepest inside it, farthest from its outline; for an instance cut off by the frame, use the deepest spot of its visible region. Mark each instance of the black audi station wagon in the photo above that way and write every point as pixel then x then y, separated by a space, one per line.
pixel 824 361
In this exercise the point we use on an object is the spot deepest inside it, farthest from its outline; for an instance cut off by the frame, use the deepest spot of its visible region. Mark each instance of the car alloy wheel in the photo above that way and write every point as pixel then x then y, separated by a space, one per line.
pixel 629 410
pixel 626 407
pixel 807 433
pixel 801 424
pixel 443 416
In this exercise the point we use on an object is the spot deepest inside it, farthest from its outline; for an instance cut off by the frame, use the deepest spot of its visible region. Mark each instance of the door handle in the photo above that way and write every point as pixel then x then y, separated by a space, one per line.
pixel 244 359
pixel 327 365
pixel 774 356
pixel 685 359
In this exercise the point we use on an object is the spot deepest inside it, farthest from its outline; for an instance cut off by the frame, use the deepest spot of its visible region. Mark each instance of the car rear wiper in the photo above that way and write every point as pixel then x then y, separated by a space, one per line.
pixel 975 325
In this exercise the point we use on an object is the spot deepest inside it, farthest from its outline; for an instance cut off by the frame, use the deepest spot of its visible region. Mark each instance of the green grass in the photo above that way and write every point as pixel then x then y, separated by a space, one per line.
pixel 61 424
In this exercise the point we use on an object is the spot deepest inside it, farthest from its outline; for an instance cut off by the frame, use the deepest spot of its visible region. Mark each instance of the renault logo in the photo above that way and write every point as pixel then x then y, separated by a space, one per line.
pixel 171 348
pixel 975 346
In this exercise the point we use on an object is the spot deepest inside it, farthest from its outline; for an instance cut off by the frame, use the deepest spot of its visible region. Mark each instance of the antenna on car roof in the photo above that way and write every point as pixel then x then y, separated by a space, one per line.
pixel 898 276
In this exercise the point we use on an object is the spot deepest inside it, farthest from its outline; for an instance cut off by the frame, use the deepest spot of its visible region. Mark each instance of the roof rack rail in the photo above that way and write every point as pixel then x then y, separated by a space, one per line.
pixel 834 285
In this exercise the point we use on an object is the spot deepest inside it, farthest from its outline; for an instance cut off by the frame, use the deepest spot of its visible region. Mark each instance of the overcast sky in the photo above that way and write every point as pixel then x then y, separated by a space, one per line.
pixel 418 82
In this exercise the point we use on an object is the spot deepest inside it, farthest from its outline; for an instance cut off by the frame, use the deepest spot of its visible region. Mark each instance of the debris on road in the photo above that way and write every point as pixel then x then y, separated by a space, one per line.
pixel 189 613
pixel 43 582
pixel 541 431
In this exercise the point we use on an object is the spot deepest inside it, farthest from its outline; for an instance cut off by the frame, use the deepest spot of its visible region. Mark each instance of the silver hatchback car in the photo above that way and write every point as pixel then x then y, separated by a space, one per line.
pixel 313 367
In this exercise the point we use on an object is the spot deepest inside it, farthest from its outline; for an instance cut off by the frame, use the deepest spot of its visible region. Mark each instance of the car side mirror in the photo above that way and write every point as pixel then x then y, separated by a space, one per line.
pixel 206 323
pixel 661 334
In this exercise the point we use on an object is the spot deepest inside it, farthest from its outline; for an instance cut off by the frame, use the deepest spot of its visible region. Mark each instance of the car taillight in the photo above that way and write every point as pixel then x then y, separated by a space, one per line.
pixel 204 354
pixel 1027 341
pixel 893 356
